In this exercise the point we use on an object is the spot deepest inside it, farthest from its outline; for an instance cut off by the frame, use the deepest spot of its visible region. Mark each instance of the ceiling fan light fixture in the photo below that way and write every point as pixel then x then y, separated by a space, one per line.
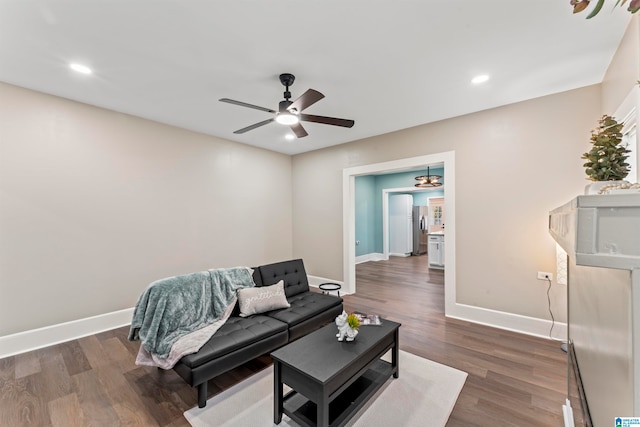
pixel 287 119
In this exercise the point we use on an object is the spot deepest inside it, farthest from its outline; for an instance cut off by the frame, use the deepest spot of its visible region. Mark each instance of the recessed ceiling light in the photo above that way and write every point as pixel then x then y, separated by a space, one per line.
pixel 290 136
pixel 480 79
pixel 80 68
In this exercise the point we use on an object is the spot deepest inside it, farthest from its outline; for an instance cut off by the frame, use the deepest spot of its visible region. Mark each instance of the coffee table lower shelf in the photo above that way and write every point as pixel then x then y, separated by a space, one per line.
pixel 346 404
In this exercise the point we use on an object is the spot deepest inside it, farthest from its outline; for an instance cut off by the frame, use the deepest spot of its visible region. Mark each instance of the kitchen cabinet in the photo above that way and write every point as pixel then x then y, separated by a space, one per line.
pixel 436 251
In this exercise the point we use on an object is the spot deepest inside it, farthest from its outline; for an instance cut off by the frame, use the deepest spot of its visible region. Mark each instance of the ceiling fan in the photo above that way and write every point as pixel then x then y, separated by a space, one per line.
pixel 290 112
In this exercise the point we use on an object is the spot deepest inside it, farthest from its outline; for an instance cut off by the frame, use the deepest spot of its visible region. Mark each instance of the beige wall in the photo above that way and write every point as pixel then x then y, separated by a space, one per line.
pixel 624 71
pixel 94 205
pixel 513 164
pixel 620 91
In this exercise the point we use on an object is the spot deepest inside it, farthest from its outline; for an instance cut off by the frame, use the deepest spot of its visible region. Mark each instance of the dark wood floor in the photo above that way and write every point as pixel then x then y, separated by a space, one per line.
pixel 514 380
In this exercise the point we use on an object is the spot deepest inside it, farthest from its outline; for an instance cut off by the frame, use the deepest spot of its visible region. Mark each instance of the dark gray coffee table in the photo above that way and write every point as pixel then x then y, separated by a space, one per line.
pixel 332 380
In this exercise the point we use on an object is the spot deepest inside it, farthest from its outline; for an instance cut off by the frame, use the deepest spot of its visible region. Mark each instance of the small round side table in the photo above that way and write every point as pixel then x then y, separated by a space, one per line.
pixel 330 287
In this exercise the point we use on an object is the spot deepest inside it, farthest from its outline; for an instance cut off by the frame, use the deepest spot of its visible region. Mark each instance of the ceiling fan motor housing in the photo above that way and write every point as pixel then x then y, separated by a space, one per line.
pixel 284 105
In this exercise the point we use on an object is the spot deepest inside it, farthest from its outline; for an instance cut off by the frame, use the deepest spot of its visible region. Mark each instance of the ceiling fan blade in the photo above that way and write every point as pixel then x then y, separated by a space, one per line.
pixel 327 120
pixel 305 100
pixel 244 104
pixel 299 130
pixel 255 125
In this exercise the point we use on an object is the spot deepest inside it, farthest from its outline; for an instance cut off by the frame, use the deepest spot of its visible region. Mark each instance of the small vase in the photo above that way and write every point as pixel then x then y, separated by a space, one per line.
pixel 596 186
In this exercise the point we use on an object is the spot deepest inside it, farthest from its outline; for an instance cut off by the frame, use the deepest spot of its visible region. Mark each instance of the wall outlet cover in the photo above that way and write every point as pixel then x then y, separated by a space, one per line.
pixel 543 275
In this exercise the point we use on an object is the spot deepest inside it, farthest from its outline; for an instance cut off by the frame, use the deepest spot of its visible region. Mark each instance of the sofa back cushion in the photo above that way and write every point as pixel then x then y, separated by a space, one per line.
pixel 291 272
pixel 257 279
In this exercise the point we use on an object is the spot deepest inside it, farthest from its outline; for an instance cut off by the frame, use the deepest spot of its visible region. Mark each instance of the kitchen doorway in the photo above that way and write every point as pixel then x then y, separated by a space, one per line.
pixel 448 160
pixel 389 192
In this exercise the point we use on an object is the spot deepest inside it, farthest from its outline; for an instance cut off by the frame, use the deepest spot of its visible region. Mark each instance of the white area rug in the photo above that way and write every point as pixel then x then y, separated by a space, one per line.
pixel 424 394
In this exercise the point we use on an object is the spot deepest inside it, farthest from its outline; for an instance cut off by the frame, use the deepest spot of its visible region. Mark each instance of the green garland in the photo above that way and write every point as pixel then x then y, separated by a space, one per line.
pixel 580 5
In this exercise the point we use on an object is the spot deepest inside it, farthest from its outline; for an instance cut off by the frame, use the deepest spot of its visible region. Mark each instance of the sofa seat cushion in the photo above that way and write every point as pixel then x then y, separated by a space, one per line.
pixel 237 332
pixel 305 306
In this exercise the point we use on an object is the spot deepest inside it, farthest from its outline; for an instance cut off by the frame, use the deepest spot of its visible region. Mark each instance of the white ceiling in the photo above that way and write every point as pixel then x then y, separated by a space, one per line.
pixel 388 65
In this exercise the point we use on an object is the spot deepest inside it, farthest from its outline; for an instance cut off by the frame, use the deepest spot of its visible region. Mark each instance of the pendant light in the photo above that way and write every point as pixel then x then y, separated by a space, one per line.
pixel 428 180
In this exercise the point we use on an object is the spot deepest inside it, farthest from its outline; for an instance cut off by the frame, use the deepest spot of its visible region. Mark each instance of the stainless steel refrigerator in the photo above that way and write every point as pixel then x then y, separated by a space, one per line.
pixel 420 229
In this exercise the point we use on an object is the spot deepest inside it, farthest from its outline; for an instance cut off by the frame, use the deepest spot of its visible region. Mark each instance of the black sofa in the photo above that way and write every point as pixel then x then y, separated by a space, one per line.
pixel 242 339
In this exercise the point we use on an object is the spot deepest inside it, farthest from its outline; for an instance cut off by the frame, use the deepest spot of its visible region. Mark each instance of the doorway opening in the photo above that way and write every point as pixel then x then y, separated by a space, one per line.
pixel 386 193
pixel 348 222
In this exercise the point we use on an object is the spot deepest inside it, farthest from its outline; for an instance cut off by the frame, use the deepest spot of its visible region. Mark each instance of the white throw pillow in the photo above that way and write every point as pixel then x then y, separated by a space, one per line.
pixel 261 299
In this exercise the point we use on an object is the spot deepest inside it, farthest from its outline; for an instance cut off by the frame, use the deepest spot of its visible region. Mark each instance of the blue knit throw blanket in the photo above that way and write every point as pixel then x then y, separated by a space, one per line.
pixel 172 308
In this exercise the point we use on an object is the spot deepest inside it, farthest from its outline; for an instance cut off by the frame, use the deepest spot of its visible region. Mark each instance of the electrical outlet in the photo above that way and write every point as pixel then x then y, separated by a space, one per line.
pixel 543 275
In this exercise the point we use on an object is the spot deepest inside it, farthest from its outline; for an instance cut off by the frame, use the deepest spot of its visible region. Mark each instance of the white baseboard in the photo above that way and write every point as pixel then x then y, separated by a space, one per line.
pixel 567 412
pixel 55 334
pixel 316 281
pixel 509 321
pixel 50 335
pixel 400 255
pixel 34 339
pixel 484 316
pixel 371 257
